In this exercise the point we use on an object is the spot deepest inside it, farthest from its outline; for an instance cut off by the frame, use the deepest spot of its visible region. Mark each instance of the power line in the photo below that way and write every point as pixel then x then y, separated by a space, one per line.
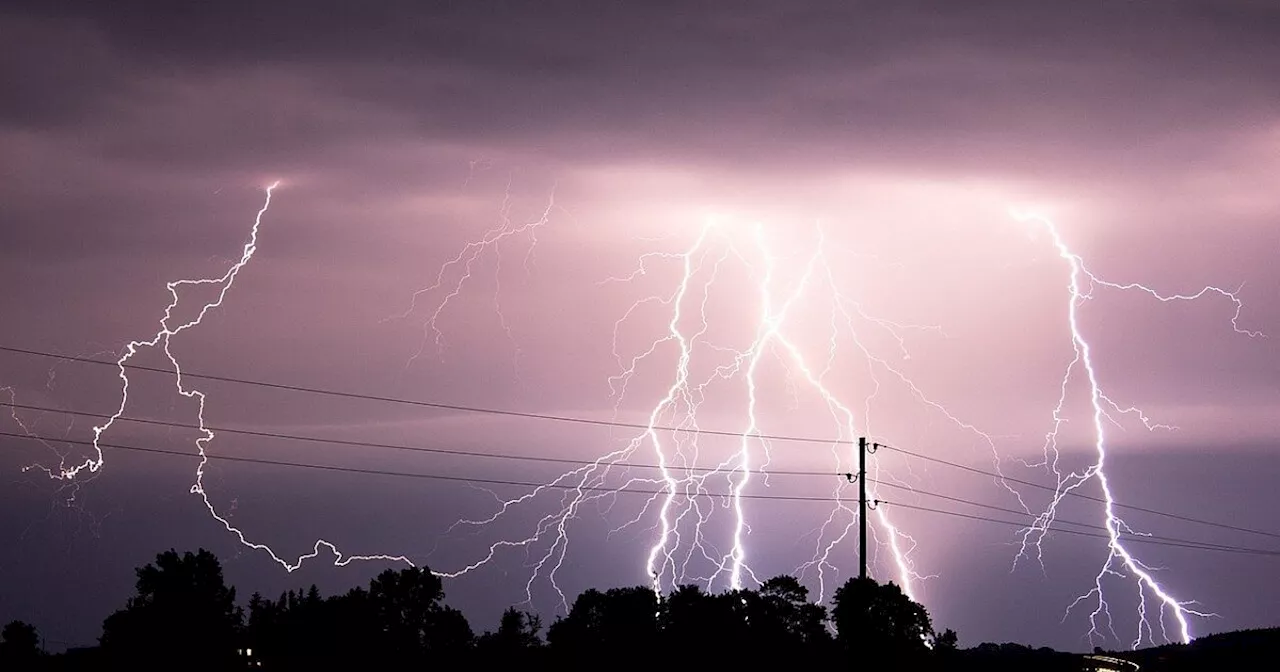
pixel 1197 545
pixel 381 472
pixel 1168 541
pixel 961 500
pixel 389 446
pixel 436 405
pixel 627 425
pixel 581 463
pixel 1048 521
pixel 1073 493
pixel 533 458
pixel 554 460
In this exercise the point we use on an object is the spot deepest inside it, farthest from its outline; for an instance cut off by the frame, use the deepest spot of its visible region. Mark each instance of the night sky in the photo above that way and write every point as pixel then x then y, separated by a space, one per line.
pixel 597 141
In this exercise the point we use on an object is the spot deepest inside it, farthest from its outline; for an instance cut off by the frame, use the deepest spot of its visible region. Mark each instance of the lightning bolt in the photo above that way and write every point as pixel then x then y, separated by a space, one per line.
pixel 699 536
pixel 689 546
pixel 456 273
pixel 1120 559
pixel 163 339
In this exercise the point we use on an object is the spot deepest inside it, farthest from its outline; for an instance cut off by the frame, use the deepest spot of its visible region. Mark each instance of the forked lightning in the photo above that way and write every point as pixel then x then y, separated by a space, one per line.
pixel 700 514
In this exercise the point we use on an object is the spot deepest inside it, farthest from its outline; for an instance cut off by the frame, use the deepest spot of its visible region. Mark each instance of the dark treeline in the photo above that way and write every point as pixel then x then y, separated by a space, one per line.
pixel 184 616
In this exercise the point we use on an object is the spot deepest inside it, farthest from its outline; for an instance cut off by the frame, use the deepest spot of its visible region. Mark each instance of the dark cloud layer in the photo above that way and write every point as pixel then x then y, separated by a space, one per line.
pixel 845 82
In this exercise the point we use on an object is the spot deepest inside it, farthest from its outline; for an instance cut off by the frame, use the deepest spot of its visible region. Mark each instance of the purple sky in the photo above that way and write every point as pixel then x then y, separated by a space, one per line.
pixel 136 143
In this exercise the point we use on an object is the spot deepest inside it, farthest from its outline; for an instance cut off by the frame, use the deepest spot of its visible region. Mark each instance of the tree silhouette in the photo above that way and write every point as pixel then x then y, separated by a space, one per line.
pixel 298 629
pixel 399 620
pixel 783 619
pixel 183 616
pixel 699 623
pixel 618 620
pixel 516 637
pixel 403 603
pixel 411 621
pixel 880 620
pixel 264 633
pixel 19 646
pixel 448 632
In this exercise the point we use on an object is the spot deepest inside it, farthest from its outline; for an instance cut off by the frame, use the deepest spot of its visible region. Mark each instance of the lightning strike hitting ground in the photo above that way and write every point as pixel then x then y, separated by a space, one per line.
pixel 1119 559
pixel 699 513
pixel 690 545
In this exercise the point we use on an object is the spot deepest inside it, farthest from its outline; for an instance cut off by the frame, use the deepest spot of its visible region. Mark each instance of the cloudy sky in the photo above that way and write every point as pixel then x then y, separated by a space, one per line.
pixel 883 143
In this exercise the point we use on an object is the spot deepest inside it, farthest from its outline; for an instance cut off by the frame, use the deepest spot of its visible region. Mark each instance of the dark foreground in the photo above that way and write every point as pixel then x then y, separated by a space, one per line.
pixel 184 617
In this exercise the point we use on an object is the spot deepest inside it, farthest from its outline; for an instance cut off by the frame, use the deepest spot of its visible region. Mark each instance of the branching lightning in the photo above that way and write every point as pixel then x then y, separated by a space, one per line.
pixel 699 515
pixel 1104 409
pixel 689 546
pixel 163 338
pixel 455 274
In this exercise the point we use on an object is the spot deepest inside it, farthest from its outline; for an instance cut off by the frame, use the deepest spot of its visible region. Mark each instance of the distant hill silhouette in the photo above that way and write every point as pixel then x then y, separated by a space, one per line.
pixel 990 657
pixel 1228 651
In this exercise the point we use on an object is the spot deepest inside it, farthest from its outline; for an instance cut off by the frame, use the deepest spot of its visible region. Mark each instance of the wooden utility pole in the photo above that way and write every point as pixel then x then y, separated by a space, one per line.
pixel 862 506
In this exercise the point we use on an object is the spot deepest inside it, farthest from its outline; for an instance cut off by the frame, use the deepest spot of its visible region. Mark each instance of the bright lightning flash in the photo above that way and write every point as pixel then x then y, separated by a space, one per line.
pixel 163 339
pixel 688 546
pixel 700 510
pixel 1119 559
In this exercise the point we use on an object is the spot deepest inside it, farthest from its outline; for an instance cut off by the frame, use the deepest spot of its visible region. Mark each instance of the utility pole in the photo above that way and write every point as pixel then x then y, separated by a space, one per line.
pixel 861 478
pixel 862 506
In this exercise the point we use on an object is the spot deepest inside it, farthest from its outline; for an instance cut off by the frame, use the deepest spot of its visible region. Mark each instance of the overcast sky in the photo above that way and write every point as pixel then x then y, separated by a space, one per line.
pixel 137 142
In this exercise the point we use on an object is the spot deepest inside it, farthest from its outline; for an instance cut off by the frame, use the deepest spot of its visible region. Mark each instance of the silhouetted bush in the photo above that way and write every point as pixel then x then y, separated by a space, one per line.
pixel 20 647
pixel 183 616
